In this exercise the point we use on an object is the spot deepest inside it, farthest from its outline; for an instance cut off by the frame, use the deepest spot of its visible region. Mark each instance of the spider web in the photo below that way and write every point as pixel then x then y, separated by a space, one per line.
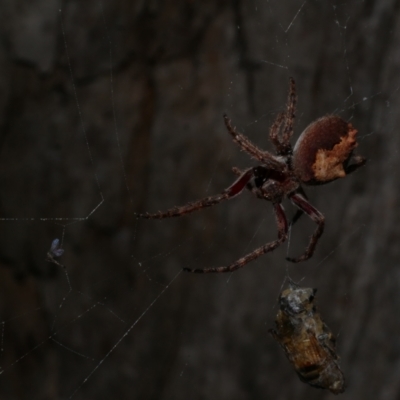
pixel 114 316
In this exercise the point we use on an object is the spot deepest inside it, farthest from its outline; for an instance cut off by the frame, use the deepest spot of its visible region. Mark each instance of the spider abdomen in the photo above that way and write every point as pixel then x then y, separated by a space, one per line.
pixel 323 150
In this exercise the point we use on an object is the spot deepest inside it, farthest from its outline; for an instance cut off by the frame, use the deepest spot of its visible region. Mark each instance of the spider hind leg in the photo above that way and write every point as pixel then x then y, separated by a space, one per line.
pixel 299 201
pixel 282 236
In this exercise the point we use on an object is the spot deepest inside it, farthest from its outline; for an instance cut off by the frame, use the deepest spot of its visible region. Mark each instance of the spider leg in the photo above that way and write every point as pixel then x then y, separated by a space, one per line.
pixel 299 212
pixel 282 236
pixel 237 171
pixel 281 141
pixel 275 131
pixel 228 193
pixel 289 118
pixel 299 201
pixel 263 156
pixel 358 162
pixel 296 217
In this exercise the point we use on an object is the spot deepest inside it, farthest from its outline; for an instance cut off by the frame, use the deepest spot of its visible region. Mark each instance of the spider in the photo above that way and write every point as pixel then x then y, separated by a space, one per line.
pixel 322 154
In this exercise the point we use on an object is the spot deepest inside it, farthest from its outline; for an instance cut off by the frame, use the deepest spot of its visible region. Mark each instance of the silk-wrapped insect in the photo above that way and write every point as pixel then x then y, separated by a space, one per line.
pixel 308 342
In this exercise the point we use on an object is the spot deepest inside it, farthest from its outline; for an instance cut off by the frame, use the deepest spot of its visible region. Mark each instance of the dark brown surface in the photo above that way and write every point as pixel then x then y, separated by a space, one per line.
pixel 148 134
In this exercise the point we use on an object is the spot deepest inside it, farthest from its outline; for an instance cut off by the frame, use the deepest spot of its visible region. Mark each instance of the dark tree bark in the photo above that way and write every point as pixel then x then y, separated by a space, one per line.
pixel 108 109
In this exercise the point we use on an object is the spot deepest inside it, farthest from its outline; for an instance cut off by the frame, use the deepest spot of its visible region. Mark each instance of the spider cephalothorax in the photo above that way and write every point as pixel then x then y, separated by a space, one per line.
pixel 323 153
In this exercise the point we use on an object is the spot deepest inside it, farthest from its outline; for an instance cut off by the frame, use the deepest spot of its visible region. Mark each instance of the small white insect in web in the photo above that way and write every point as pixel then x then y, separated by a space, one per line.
pixel 55 252
pixel 55 249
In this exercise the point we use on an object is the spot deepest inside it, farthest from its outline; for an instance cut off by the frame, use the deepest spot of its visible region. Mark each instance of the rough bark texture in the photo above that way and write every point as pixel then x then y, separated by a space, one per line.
pixel 119 105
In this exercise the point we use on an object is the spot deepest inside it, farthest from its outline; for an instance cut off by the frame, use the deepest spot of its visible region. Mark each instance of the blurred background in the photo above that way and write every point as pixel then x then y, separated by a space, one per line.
pixel 112 108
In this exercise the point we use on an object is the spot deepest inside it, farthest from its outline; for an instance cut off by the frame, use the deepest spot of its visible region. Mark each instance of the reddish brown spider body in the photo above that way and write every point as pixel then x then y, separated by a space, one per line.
pixel 323 153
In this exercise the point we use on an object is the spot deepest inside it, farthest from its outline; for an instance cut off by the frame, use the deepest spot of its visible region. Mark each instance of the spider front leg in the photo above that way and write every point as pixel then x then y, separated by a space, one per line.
pixel 227 194
pixel 263 156
pixel 274 133
pixel 282 236
pixel 299 201
pixel 281 140
pixel 289 117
